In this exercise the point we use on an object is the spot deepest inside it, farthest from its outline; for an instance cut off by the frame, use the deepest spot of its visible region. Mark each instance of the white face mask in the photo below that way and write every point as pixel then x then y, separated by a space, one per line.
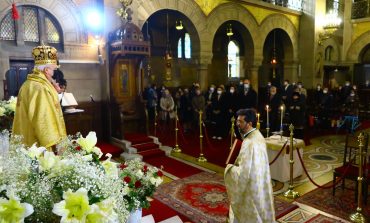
pixel 219 92
pixel 246 85
pixel 299 86
pixel 347 84
pixel 325 91
pixel 232 91
pixel 212 89
pixel 318 88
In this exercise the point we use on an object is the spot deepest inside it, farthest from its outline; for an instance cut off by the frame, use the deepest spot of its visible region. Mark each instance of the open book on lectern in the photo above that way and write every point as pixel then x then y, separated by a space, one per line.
pixel 67 100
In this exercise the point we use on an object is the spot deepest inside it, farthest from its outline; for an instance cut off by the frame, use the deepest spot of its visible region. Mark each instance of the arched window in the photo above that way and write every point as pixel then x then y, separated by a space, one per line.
pixel 179 49
pixel 35 25
pixel 233 63
pixel 184 47
pixel 187 46
pixel 328 53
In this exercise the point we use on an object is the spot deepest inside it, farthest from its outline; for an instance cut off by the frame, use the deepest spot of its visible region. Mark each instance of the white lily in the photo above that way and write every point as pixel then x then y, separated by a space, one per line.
pixel 2 111
pixel 88 144
pixel 75 206
pixel 13 210
pixel 110 167
pixel 48 161
pixel 12 103
pixel 35 152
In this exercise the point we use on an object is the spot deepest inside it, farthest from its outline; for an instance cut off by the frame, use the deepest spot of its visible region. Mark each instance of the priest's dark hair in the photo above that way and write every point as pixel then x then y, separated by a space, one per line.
pixel 249 115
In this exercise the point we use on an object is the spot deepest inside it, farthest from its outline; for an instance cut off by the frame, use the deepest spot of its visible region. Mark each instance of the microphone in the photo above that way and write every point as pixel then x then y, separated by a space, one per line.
pixel 91 98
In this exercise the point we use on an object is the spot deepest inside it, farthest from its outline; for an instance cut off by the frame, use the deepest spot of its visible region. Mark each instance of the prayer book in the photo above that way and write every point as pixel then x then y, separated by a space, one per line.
pixel 67 99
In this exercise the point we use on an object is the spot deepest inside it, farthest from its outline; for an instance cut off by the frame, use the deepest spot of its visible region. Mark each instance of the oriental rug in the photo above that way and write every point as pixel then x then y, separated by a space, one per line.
pixel 300 215
pixel 202 198
pixel 341 205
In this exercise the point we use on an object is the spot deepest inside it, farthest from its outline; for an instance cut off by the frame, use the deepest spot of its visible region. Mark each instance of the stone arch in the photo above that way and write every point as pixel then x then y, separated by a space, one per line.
pixel 65 12
pixel 228 12
pixel 278 21
pixel 356 47
pixel 187 7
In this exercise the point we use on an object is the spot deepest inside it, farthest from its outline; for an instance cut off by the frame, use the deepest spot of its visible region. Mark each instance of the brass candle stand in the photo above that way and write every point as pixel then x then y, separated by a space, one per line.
pixel 358 217
pixel 232 131
pixel 201 157
pixel 176 149
pixel 290 193
pixel 155 121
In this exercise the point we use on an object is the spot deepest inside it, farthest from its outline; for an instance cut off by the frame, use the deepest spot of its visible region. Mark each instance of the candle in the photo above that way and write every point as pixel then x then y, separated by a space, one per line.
pixel 267 122
pixel 282 115
pixel 258 117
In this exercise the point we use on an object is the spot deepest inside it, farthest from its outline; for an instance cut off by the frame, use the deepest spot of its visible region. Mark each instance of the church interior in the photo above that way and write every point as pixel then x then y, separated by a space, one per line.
pixel 138 73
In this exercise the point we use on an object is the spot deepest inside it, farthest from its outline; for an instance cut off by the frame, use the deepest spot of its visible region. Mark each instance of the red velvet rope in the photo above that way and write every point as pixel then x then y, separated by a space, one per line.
pixel 207 138
pixel 281 150
pixel 181 129
pixel 337 181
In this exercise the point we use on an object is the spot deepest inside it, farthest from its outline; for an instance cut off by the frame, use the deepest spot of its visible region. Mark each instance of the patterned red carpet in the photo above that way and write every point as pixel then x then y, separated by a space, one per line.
pixel 341 205
pixel 202 198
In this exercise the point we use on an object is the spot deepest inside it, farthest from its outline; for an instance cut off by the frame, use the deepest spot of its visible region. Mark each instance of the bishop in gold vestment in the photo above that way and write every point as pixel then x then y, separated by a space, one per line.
pixel 38 115
pixel 248 180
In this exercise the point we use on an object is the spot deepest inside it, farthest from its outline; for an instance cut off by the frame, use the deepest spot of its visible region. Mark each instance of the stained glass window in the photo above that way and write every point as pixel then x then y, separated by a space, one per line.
pixel 179 49
pixel 30 21
pixel 51 31
pixel 187 46
pixel 7 28
pixel 31 25
pixel 233 63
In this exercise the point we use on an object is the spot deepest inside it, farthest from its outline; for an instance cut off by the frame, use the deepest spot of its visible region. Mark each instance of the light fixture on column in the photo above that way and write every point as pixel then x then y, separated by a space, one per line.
pixel 168 57
pixel 179 25
pixel 229 31
pixel 273 59
pixel 331 24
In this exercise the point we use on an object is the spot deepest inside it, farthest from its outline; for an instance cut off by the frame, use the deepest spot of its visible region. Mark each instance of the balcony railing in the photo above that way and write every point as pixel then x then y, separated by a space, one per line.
pixel 360 9
pixel 292 4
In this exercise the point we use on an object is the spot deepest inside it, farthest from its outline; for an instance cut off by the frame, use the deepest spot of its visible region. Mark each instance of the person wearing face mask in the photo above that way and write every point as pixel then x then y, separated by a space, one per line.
pixel 209 96
pixel 297 111
pixel 351 104
pixel 268 87
pixel 167 105
pixel 345 92
pixel 274 103
pixel 198 103
pixel 248 97
pixel 325 108
pixel 186 113
pixel 301 89
pixel 219 114
pixel 317 96
pixel 286 93
pixel 232 105
pixel 248 180
pixel 39 117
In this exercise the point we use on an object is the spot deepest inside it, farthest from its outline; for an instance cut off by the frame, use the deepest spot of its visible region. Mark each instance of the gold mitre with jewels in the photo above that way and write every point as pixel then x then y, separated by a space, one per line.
pixel 45 55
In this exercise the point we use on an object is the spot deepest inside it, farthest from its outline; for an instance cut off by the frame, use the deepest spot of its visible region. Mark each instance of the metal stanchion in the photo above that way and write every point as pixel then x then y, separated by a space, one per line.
pixel 201 157
pixel 176 149
pixel 155 121
pixel 232 132
pixel 267 122
pixel 358 216
pixel 290 193
pixel 147 120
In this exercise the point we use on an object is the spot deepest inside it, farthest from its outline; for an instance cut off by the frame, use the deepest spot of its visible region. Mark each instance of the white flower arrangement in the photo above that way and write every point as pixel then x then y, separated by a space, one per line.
pixel 140 182
pixel 38 186
pixel 7 110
